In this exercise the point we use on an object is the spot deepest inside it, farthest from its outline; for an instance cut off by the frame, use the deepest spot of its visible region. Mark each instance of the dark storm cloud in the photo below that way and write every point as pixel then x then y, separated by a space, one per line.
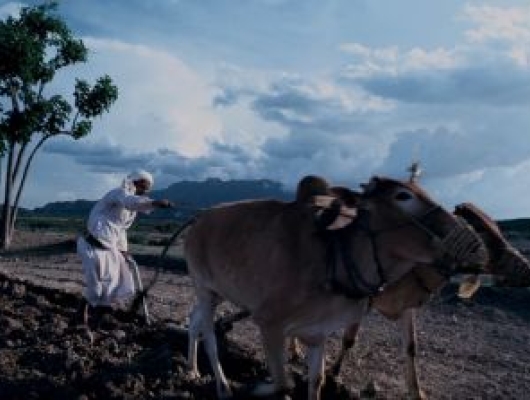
pixel 299 106
pixel 224 161
pixel 99 157
pixel 496 85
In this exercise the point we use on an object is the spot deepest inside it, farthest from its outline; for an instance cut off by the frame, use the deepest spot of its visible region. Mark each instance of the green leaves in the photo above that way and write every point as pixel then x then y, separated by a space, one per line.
pixel 81 129
pixel 36 42
pixel 93 101
pixel 33 47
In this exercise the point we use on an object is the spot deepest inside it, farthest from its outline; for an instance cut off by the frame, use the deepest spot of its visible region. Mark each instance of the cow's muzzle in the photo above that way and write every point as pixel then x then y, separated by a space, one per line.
pixel 462 247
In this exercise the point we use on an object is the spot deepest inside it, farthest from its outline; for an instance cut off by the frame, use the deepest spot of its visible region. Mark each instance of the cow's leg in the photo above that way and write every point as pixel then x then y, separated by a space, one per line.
pixel 348 341
pixel 273 346
pixel 408 330
pixel 315 363
pixel 194 332
pixel 202 324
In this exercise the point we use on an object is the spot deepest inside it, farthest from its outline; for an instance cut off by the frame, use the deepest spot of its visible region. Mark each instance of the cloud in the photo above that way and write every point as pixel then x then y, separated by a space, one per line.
pixel 506 27
pixel 392 61
pixel 464 74
pixel 314 103
pixel 99 157
pixel 500 192
pixel 10 9
pixel 497 23
pixel 476 84
pixel 235 83
pixel 223 161
pixel 449 153
pixel 419 103
pixel 162 101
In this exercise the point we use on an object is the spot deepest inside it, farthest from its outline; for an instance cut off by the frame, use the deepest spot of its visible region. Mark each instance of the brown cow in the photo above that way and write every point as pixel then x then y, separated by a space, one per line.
pixel 267 257
pixel 400 300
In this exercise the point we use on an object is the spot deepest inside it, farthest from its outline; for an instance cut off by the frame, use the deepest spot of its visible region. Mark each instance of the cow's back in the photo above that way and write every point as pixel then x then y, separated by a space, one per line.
pixel 257 251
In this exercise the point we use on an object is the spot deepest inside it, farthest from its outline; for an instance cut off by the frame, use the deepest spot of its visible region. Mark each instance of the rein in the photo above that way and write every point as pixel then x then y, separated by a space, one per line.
pixel 462 245
pixel 459 245
pixel 141 295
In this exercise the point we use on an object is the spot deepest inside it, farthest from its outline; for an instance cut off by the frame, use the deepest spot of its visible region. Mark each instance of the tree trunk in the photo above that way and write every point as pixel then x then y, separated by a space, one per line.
pixel 14 211
pixel 6 231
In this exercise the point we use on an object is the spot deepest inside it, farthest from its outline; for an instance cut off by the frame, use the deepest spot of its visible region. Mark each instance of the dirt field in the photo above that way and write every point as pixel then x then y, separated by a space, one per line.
pixel 467 350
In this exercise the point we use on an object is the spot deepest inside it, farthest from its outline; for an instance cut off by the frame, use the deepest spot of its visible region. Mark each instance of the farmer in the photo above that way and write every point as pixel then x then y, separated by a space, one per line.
pixel 103 248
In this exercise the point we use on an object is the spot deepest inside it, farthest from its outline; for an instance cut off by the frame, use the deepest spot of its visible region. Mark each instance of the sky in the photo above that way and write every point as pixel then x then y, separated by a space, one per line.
pixel 278 89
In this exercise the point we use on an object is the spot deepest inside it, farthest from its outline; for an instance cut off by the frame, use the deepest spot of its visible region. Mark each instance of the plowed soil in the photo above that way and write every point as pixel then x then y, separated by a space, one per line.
pixel 478 349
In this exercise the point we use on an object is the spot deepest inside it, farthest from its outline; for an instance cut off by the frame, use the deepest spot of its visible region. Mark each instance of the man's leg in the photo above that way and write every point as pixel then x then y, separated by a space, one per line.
pixel 81 317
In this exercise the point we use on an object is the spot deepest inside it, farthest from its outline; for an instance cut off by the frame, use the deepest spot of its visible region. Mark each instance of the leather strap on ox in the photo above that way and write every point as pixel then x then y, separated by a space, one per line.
pixel 340 253
pixel 462 245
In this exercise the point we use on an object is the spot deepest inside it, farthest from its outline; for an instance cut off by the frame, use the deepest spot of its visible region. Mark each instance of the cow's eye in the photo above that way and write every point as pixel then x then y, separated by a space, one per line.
pixel 402 196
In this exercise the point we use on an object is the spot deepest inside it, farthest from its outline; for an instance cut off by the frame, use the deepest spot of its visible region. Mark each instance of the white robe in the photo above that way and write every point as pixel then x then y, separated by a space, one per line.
pixel 108 278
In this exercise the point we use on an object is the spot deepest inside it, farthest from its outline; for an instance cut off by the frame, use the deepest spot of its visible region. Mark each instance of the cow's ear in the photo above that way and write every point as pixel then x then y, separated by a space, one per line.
pixel 468 287
pixel 332 213
pixel 343 220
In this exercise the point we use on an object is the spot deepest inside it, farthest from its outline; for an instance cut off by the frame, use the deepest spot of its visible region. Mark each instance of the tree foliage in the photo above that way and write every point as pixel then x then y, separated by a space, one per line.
pixel 34 46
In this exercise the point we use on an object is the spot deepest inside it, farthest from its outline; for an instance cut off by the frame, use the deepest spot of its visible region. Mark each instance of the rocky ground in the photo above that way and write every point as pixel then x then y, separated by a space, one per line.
pixel 477 349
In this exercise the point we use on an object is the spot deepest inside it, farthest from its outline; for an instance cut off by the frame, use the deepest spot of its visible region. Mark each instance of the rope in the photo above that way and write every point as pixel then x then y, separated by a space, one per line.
pixel 464 245
pixel 141 295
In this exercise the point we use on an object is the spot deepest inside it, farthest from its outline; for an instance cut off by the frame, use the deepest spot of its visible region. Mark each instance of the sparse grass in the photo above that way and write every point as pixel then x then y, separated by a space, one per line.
pixel 141 232
pixel 55 224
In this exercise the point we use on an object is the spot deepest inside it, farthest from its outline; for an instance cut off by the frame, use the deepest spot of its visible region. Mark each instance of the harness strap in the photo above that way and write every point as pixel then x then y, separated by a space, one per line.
pixel 333 253
pixel 338 251
pixel 375 254
pixel 355 277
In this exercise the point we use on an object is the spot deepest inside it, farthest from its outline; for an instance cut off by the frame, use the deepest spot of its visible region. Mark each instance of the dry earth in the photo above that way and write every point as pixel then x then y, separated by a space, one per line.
pixel 477 349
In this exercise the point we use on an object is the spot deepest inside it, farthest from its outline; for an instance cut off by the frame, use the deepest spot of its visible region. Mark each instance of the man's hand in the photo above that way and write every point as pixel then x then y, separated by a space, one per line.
pixel 163 203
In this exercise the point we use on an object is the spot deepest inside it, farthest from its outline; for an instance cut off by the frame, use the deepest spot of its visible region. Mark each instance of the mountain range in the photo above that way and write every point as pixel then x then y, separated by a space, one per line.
pixel 189 196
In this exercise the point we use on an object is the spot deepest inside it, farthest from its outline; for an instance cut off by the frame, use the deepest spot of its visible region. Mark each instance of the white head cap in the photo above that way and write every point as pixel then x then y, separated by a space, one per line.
pixel 137 175
pixel 140 174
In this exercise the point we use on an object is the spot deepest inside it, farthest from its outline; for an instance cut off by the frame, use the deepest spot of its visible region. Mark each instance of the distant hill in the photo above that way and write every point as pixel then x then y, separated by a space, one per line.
pixel 519 227
pixel 64 208
pixel 189 195
pixel 214 191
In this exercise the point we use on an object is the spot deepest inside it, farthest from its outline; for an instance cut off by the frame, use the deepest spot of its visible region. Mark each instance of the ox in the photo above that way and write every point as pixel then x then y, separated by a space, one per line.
pixel 400 300
pixel 267 257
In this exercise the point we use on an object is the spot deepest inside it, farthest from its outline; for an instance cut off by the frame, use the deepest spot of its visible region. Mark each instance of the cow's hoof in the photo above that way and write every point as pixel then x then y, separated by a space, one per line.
pixel 193 374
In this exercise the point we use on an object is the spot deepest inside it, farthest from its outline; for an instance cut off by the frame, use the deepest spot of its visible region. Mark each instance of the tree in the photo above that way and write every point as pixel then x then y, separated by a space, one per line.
pixel 33 47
